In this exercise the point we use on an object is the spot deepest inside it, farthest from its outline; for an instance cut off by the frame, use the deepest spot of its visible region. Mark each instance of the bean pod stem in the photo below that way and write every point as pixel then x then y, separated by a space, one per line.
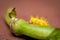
pixel 22 27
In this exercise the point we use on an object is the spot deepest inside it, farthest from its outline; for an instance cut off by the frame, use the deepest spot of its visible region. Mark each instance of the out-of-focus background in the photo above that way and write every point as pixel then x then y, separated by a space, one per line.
pixel 49 9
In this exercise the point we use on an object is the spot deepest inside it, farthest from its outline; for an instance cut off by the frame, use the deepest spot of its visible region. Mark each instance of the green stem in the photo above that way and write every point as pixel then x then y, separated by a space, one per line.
pixel 22 27
pixel 10 14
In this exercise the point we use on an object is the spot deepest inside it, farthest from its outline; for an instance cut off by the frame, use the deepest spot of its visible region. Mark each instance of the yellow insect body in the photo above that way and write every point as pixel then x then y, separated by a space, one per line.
pixel 41 21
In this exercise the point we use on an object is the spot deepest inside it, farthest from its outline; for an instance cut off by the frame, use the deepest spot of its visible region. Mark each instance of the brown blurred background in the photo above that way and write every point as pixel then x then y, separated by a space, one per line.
pixel 49 9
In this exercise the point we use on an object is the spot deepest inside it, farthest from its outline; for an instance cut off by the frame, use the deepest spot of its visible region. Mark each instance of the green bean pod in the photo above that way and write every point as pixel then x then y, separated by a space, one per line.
pixel 22 27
